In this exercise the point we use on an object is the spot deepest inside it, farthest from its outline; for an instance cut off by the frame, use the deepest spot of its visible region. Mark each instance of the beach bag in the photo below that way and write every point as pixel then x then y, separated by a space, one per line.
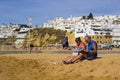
pixel 77 51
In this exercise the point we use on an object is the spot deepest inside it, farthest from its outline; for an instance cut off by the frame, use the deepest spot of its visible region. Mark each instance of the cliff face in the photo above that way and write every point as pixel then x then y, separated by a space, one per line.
pixel 39 37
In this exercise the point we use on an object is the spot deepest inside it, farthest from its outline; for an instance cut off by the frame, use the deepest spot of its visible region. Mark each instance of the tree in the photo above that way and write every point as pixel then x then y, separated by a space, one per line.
pixel 90 16
pixel 53 39
pixel 45 40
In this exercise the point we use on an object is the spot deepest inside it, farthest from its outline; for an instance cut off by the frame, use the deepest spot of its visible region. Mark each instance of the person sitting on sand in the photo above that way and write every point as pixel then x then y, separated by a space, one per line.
pixel 78 48
pixel 90 53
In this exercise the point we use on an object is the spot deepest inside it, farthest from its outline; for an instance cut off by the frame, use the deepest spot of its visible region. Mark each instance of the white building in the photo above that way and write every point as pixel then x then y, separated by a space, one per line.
pixel 21 35
pixel 60 23
pixel 116 34
pixel 5 32
pixel 92 30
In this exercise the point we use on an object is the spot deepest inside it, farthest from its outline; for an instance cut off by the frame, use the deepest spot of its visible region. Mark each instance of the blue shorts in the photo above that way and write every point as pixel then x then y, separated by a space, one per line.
pixel 90 56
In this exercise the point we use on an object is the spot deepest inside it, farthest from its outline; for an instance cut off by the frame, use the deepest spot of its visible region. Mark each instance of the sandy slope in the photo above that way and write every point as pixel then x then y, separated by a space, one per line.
pixel 41 67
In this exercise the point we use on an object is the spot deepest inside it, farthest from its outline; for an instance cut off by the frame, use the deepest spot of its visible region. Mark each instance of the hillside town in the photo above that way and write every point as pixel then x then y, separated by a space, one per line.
pixel 103 29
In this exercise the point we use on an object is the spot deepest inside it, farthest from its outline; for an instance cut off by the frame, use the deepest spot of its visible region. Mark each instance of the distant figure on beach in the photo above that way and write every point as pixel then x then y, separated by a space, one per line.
pixel 31 47
pixel 65 43
pixel 90 53
pixel 80 46
pixel 106 46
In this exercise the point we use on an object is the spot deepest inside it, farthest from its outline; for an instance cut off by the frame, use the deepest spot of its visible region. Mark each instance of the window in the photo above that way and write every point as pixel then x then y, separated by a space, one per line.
pixel 101 33
pixel 96 32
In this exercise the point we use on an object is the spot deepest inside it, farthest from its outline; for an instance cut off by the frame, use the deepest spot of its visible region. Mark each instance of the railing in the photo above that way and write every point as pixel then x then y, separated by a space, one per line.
pixel 50 49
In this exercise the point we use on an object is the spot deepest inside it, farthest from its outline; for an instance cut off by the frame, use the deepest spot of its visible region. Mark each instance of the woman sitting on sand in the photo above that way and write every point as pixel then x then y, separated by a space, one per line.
pixel 80 46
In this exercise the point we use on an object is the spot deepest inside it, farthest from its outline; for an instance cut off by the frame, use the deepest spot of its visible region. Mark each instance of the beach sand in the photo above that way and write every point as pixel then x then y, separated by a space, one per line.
pixel 41 67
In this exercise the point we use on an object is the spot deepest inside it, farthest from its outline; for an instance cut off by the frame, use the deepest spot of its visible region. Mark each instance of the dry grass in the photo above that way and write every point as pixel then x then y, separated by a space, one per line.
pixel 41 67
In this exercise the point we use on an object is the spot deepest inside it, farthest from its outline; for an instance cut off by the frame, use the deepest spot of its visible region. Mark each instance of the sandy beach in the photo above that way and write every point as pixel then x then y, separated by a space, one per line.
pixel 41 67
